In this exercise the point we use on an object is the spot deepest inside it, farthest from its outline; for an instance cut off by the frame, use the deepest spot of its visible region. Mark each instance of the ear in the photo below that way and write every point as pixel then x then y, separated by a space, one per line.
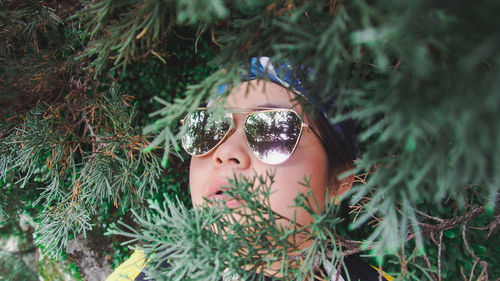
pixel 340 186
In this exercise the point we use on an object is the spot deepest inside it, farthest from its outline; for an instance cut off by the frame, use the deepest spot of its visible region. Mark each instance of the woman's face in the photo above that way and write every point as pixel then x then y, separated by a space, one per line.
pixel 309 161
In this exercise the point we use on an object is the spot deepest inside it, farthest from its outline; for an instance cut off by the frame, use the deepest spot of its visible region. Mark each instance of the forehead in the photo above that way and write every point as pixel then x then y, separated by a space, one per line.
pixel 261 93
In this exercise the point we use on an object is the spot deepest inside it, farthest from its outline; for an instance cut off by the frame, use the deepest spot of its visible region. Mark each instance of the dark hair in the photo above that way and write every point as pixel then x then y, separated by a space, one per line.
pixel 341 146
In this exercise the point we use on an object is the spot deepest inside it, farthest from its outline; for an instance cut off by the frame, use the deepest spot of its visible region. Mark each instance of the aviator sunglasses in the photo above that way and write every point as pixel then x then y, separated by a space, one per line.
pixel 271 133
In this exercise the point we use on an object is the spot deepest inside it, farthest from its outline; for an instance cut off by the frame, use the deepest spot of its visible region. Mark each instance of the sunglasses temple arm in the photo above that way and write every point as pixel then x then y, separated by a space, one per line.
pixel 314 131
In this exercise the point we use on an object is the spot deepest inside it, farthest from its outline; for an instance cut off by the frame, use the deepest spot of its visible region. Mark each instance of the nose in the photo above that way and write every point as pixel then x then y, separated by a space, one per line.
pixel 233 151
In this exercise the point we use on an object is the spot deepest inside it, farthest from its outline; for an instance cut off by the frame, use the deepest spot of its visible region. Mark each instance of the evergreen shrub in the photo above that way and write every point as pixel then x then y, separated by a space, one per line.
pixel 92 96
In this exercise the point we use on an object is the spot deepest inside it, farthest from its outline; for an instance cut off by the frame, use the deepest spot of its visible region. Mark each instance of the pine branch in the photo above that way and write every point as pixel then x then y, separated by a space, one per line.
pixel 244 241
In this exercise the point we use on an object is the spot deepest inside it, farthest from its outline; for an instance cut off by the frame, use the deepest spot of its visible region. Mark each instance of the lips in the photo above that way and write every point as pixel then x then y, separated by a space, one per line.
pixel 217 194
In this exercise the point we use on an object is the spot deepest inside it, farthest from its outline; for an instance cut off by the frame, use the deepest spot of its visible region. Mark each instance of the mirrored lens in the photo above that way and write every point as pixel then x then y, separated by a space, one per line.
pixel 273 135
pixel 204 132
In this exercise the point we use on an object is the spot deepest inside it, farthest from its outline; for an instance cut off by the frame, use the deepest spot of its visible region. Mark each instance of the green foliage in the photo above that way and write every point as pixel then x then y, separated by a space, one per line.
pixel 242 241
pixel 206 11
pixel 73 144
pixel 79 172
pixel 138 28
pixel 166 79
pixel 418 77
pixel 423 94
pixel 36 51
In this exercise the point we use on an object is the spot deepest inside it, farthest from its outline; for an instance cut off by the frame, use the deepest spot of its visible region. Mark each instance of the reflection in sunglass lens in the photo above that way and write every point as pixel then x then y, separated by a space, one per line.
pixel 273 135
pixel 204 132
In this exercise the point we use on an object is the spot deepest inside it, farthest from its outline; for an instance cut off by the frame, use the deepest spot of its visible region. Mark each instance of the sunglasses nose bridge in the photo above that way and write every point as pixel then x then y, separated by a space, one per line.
pixel 233 149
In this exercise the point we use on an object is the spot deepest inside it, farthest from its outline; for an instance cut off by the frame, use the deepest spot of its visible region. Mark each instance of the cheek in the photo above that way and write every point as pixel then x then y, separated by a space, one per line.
pixel 197 177
pixel 288 185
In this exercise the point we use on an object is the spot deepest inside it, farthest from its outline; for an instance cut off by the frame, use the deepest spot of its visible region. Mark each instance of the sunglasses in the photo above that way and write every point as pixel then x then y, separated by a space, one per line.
pixel 272 134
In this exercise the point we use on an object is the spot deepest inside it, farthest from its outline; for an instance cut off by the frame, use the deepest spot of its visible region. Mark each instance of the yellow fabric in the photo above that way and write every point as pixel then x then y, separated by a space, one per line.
pixel 129 269
pixel 386 276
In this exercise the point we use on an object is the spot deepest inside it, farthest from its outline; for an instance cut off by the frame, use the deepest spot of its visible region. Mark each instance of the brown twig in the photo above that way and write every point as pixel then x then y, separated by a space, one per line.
pixel 212 34
pixel 477 260
pixel 428 262
pixel 198 37
pixel 89 127
pixel 440 250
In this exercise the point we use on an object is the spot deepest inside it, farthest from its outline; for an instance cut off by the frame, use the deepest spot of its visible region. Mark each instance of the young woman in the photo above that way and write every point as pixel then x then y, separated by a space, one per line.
pixel 264 129
pixel 295 154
